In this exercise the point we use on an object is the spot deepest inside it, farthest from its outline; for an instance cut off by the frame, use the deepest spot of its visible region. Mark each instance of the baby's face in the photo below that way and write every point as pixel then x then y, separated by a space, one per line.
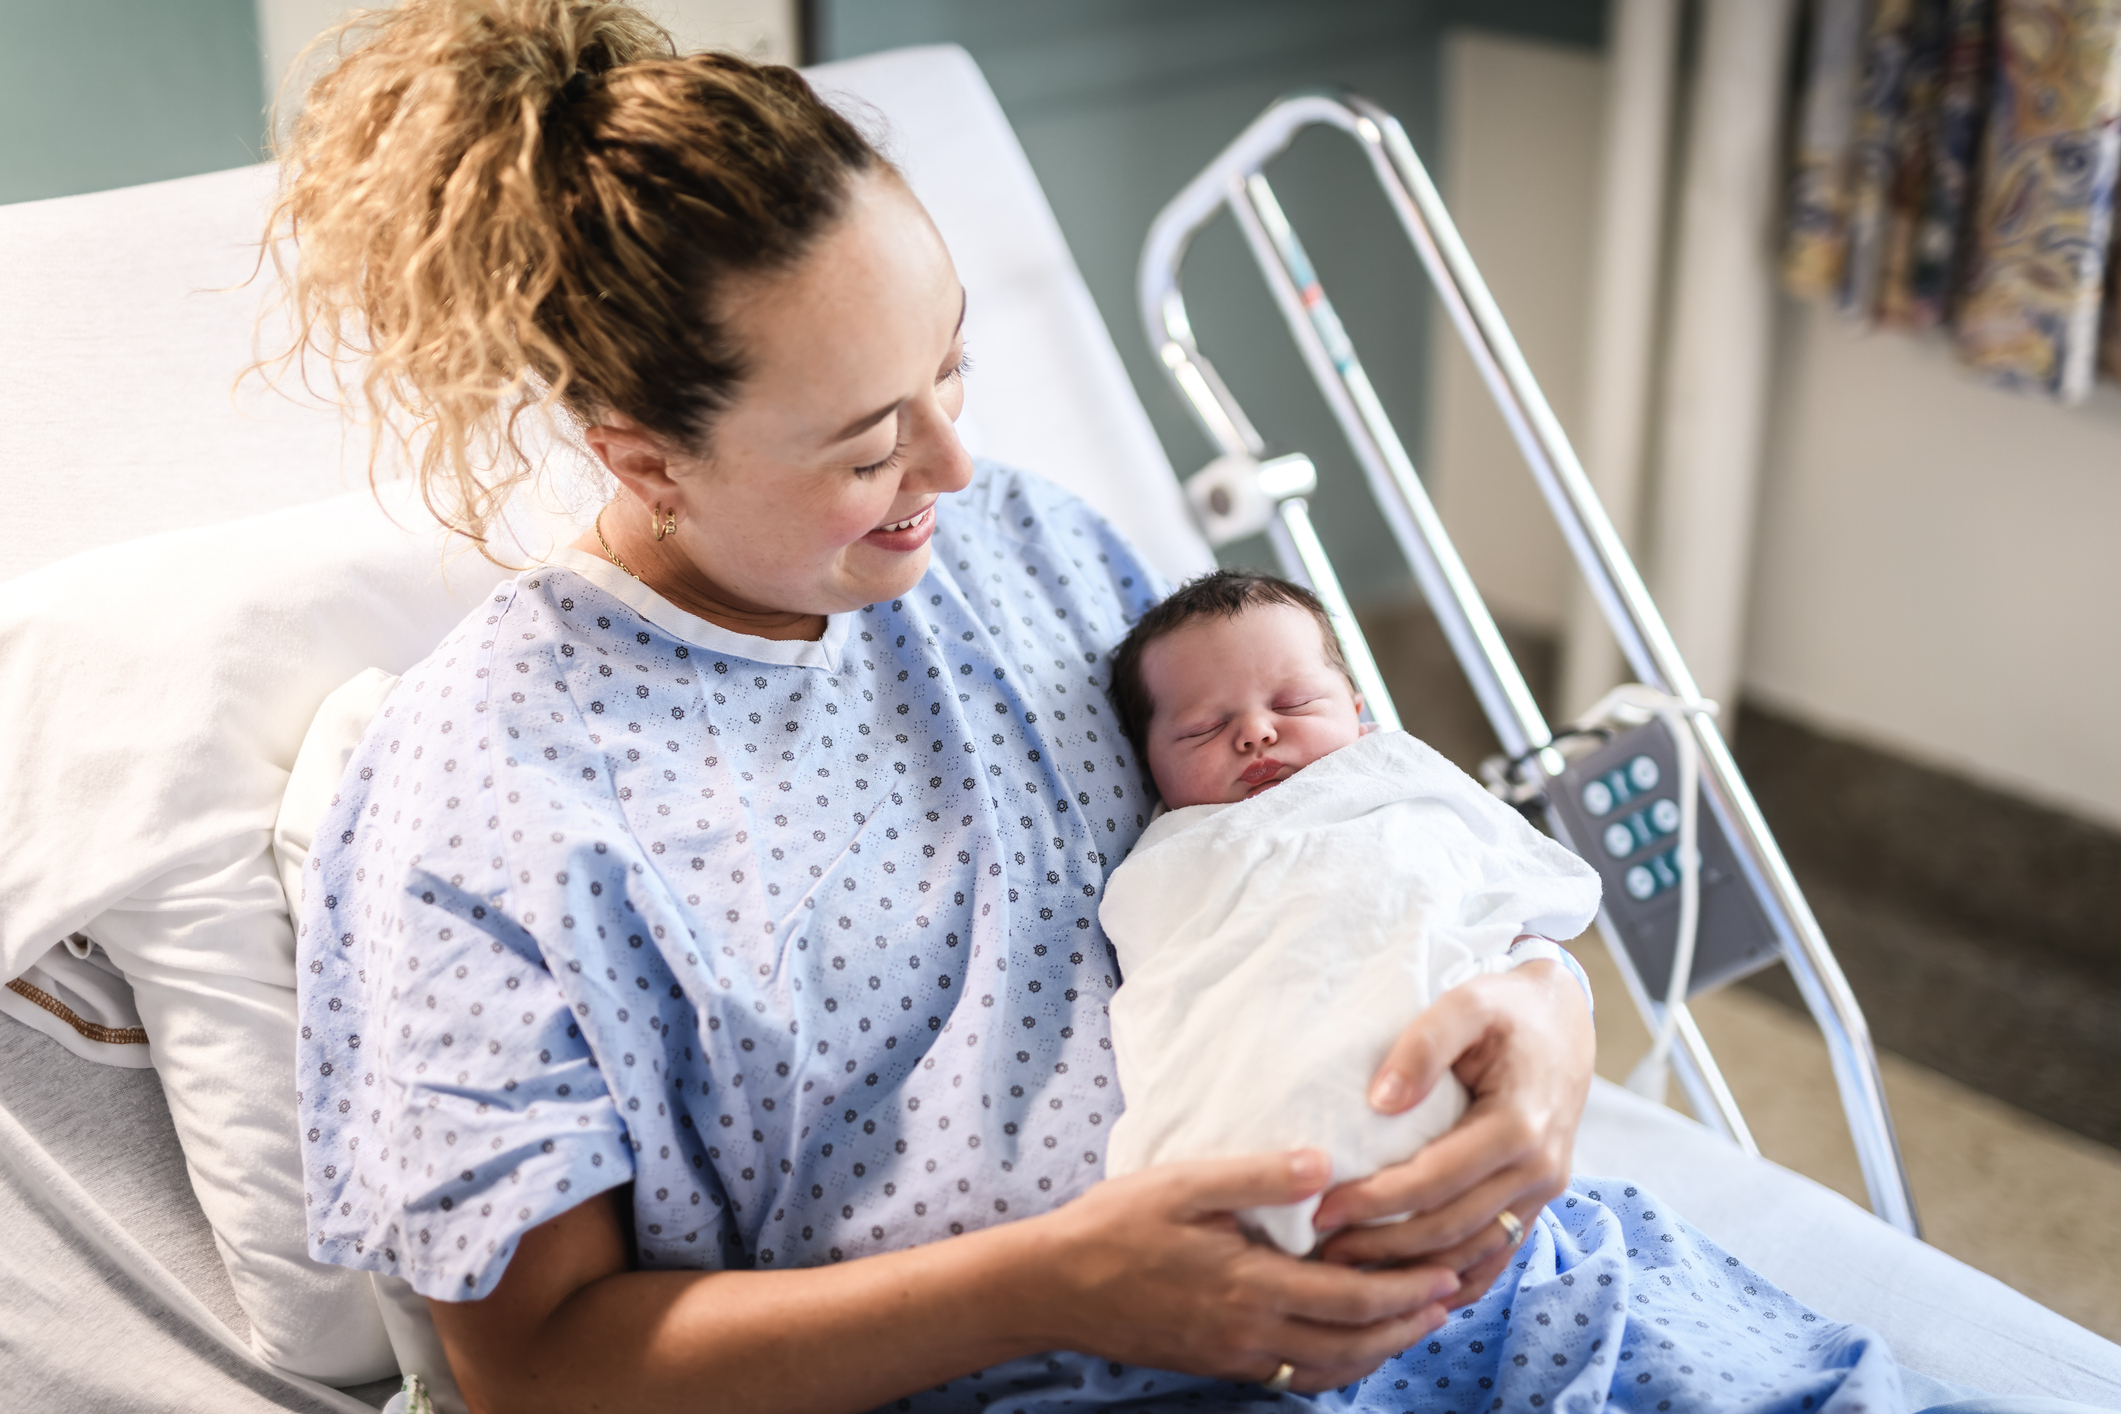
pixel 1242 704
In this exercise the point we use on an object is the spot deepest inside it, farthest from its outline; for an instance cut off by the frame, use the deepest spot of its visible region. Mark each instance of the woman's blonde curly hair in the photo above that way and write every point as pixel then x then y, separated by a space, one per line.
pixel 495 205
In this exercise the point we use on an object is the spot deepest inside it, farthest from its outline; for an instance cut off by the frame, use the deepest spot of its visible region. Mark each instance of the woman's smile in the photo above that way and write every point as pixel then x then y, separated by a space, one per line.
pixel 904 536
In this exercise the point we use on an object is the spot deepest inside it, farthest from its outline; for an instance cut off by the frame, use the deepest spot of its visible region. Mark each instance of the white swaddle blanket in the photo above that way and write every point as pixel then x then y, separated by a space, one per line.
pixel 1270 951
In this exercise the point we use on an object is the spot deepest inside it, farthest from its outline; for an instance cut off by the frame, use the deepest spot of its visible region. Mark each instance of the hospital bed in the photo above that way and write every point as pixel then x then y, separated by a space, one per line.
pixel 123 321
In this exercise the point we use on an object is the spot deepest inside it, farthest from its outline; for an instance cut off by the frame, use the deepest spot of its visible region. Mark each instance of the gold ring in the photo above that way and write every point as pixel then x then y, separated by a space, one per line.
pixel 1511 1227
pixel 1279 1384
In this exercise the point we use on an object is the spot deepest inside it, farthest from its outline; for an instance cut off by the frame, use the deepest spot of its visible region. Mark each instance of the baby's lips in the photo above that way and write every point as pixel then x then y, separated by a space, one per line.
pixel 1259 771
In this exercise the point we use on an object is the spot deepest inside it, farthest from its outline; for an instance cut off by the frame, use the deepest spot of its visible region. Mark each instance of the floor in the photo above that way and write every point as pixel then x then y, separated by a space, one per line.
pixel 1978 930
pixel 2024 1200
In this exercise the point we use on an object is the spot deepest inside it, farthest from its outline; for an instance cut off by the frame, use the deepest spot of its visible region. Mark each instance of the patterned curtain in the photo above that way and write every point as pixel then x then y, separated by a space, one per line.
pixel 1954 165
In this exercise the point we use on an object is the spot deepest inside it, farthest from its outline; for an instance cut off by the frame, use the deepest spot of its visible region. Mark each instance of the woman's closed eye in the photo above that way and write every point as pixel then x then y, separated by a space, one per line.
pixel 956 368
pixel 886 464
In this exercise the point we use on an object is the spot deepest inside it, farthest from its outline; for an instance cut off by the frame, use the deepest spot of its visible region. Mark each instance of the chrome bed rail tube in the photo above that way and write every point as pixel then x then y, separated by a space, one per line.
pixel 1236 180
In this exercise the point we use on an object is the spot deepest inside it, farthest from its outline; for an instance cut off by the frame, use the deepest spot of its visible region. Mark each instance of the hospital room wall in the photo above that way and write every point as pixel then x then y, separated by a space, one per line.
pixel 107 93
pixel 1935 566
pixel 96 94
pixel 764 29
pixel 1933 572
pixel 1119 102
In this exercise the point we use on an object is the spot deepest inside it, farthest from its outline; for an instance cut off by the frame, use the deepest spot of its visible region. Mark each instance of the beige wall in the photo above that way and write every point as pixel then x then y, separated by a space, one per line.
pixel 764 29
pixel 1937 569
pixel 1520 175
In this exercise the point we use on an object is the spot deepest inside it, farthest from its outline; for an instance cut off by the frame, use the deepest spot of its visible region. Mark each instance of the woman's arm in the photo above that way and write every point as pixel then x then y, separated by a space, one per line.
pixel 1148 1269
pixel 1522 1043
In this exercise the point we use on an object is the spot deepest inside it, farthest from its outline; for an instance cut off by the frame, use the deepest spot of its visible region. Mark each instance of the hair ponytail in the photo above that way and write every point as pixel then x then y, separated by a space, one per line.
pixel 499 203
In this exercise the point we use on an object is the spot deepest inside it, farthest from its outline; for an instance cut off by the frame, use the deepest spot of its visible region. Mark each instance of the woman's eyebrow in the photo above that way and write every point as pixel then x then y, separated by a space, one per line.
pixel 863 423
pixel 868 420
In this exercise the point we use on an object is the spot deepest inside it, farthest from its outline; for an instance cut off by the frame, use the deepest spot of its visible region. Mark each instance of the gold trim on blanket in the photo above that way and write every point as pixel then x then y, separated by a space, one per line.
pixel 107 1035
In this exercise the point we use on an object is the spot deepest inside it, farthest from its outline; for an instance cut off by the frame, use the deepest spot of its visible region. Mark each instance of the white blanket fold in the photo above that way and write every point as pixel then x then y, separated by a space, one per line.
pixel 1271 951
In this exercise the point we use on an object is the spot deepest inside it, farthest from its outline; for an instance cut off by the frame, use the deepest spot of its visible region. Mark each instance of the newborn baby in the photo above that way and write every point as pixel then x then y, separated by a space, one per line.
pixel 1308 890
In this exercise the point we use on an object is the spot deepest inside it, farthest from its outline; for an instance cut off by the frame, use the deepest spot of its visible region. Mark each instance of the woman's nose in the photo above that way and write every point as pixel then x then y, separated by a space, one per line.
pixel 936 460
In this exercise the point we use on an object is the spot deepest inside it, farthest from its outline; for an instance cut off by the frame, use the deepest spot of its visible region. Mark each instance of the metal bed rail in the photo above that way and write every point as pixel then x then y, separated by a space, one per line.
pixel 1236 180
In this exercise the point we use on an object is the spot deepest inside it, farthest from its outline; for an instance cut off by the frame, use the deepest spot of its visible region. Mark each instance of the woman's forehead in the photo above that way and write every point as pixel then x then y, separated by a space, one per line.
pixel 859 322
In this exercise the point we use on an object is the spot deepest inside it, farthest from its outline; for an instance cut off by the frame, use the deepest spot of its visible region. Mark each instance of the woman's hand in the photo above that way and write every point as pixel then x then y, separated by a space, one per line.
pixel 1152 1270
pixel 1148 1269
pixel 1523 1045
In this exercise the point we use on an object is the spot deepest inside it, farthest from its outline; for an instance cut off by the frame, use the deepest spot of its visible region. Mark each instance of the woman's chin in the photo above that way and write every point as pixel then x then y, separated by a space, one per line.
pixel 877 575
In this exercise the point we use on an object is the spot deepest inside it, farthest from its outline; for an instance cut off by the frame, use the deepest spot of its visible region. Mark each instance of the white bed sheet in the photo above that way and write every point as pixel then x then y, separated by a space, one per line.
pixel 106 1236
pixel 116 362
pixel 1939 1315
pixel 116 1298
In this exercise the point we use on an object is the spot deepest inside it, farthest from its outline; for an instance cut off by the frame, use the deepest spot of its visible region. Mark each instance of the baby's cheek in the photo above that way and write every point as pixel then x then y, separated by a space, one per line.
pixel 1178 782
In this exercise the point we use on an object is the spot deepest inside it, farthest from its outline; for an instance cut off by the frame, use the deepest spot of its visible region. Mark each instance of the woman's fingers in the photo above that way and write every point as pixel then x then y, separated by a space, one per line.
pixel 1457 1235
pixel 1326 1357
pixel 1521 1042
pixel 1476 1279
pixel 1488 1139
pixel 1318 1292
pixel 1430 1046
pixel 1212 1186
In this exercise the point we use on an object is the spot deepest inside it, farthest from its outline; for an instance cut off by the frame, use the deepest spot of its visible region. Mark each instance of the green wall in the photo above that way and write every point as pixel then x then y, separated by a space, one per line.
pixel 109 93
pixel 1120 102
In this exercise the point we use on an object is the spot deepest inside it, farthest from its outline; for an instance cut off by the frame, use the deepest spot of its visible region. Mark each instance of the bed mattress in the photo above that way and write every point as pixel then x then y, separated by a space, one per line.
pixel 105 1236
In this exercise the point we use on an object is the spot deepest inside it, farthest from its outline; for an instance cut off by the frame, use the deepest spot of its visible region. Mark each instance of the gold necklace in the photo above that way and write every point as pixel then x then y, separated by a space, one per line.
pixel 609 554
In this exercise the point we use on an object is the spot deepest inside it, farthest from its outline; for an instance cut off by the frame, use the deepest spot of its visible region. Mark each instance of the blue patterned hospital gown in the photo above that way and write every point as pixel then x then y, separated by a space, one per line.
pixel 800 939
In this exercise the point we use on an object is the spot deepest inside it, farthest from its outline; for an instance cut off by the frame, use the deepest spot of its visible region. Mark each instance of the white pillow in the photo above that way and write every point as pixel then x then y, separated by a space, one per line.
pixel 311 788
pixel 153 697
pixel 77 996
pixel 313 784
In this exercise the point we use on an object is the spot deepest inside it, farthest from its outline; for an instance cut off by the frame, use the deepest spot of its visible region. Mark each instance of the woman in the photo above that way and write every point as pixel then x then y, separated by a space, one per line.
pixel 704 991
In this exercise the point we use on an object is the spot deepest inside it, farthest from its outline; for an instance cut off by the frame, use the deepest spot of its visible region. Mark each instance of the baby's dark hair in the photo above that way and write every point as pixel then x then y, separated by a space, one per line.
pixel 1221 593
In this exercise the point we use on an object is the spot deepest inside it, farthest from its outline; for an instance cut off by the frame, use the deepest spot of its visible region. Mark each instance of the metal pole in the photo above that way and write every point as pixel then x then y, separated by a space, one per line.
pixel 1234 180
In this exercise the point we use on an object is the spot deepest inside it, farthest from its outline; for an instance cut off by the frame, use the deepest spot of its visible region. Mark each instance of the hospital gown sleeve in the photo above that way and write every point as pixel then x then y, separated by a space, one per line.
pixel 449 1099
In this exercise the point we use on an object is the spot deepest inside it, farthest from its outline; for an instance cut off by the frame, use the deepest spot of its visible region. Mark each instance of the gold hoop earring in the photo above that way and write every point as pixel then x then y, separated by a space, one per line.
pixel 662 522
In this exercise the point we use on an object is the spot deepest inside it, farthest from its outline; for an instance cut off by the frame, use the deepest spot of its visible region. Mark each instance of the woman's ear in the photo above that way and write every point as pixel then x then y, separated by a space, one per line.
pixel 636 459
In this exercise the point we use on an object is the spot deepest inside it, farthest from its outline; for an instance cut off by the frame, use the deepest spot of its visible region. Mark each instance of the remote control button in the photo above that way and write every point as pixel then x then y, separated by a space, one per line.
pixel 1619 840
pixel 1641 882
pixel 1665 816
pixel 1597 799
pixel 1643 773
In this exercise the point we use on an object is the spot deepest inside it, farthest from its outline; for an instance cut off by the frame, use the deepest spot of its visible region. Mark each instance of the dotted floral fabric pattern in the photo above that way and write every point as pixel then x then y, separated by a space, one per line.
pixel 801 940
pixel 808 952
pixel 1613 1304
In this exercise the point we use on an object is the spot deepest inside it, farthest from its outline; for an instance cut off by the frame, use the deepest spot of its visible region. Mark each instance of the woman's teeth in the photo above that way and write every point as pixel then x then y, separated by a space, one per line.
pixel 907 524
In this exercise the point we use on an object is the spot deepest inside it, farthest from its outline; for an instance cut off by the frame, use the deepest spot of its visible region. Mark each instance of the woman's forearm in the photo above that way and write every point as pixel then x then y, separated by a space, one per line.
pixel 845 1337
pixel 827 1339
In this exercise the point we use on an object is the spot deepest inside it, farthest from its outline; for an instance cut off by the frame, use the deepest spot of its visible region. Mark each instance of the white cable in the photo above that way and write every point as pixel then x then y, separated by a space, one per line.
pixel 1633 704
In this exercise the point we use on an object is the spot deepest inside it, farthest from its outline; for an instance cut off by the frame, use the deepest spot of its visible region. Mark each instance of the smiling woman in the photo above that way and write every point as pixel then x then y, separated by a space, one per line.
pixel 799 510
pixel 702 985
